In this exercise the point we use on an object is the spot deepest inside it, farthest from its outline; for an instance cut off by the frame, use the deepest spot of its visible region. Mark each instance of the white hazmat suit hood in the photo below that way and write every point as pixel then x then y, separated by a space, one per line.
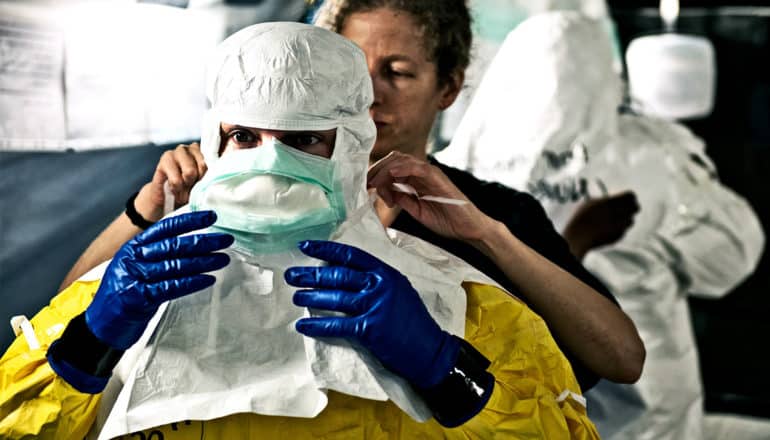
pixel 272 77
pixel 545 120
pixel 233 348
pixel 545 99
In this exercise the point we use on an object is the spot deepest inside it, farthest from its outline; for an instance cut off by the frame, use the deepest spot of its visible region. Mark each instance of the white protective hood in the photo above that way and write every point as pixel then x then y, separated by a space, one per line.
pixel 542 92
pixel 545 120
pixel 233 348
pixel 272 76
pixel 493 20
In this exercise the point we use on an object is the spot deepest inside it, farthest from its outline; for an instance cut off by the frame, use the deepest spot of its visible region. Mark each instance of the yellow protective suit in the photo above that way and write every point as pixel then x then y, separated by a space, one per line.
pixel 530 371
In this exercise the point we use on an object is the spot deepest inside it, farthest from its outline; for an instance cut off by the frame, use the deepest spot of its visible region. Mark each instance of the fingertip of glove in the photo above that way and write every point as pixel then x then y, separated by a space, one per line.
pixel 205 280
pixel 301 326
pixel 220 260
pixel 290 275
pixel 225 240
pixel 305 245
pixel 207 217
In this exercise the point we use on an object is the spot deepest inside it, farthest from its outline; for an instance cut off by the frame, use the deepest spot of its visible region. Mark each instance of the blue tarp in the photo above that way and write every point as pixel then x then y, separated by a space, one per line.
pixel 52 205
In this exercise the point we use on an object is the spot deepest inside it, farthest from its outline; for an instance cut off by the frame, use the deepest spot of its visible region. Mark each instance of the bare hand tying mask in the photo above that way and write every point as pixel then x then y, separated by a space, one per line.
pixel 460 220
pixel 181 167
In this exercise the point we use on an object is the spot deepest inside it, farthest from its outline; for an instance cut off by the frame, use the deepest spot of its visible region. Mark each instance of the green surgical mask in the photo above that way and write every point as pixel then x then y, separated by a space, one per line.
pixel 271 197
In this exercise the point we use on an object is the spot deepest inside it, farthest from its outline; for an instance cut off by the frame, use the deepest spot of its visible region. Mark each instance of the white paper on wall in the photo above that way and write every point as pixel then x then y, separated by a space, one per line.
pixel 31 80
pixel 93 75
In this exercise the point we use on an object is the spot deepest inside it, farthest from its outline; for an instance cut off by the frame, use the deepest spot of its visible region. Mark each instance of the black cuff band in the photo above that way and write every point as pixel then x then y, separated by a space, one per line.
pixel 135 217
pixel 464 392
pixel 82 350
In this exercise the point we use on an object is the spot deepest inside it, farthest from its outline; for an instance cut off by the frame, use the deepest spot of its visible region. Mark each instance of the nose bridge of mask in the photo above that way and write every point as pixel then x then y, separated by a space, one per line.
pixel 274 157
pixel 287 173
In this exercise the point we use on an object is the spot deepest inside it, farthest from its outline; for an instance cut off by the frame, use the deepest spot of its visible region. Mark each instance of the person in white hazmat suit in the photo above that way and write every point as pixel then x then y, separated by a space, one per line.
pixel 545 119
pixel 287 144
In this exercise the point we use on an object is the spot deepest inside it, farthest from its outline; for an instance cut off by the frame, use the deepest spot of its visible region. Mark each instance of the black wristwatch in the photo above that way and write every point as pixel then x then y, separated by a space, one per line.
pixel 134 216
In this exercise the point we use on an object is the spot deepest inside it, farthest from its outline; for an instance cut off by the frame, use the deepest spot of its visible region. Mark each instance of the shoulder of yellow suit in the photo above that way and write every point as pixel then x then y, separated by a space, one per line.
pixel 51 320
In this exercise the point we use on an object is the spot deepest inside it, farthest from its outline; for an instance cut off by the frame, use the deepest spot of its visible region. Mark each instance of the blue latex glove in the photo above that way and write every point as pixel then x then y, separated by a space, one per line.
pixel 386 315
pixel 155 266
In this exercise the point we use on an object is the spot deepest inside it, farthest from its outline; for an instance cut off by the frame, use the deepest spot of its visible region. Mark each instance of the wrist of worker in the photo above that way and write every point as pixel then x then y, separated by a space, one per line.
pixel 142 209
pixel 464 390
pixel 491 233
pixel 81 359
pixel 149 204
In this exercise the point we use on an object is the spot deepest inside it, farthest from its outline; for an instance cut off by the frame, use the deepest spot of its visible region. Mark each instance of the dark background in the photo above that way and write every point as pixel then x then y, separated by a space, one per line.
pixel 732 332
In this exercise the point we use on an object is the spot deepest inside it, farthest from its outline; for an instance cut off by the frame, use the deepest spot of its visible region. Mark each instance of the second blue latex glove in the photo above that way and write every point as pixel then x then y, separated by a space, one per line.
pixel 385 313
pixel 155 266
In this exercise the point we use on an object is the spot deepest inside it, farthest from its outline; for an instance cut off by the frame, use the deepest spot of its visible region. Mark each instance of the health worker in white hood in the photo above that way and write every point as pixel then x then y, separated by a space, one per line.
pixel 545 119
pixel 241 332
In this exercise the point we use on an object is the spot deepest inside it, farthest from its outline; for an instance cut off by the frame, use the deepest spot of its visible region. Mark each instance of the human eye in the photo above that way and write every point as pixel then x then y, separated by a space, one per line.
pixel 315 143
pixel 399 71
pixel 242 136
pixel 301 140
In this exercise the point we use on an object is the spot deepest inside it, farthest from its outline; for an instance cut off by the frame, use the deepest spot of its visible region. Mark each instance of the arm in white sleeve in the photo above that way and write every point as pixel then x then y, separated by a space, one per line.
pixel 690 225
pixel 722 245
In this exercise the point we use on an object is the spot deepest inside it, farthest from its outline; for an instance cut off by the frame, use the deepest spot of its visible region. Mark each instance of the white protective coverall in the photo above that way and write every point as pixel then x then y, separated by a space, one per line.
pixel 545 120
pixel 229 359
